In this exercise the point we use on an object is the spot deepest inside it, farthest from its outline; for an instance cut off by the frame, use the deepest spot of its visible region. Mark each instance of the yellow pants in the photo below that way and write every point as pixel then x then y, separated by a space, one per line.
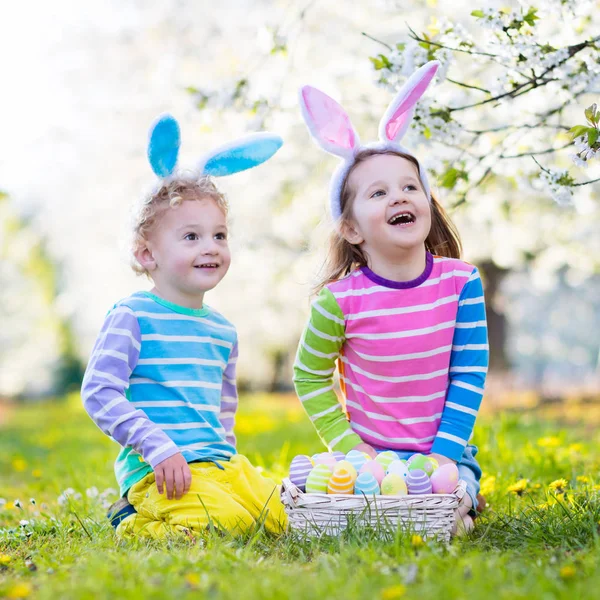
pixel 235 499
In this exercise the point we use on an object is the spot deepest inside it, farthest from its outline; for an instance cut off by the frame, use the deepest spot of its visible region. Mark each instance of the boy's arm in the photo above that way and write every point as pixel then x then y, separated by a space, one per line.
pixel 114 357
pixel 468 369
pixel 314 369
pixel 229 397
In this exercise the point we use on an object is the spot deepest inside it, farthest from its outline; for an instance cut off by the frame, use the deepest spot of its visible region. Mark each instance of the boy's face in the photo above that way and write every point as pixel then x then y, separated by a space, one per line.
pixel 187 252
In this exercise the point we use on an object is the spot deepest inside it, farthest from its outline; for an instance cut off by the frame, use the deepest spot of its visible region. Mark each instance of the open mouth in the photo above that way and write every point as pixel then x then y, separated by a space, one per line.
pixel 402 218
pixel 207 266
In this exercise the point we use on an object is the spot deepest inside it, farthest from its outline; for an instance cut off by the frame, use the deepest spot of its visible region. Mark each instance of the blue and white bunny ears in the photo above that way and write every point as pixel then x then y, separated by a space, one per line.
pixel 332 129
pixel 239 155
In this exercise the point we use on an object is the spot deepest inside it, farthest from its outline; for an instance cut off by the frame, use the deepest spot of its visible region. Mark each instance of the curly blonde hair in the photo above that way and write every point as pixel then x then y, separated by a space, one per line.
pixel 170 195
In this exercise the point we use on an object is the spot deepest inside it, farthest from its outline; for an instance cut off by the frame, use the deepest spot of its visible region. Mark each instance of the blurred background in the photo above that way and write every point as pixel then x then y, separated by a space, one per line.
pixel 84 80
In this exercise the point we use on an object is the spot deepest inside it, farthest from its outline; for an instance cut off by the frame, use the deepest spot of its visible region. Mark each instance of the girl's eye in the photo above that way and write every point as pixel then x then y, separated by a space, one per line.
pixel 410 187
pixel 221 236
pixel 191 237
pixel 377 193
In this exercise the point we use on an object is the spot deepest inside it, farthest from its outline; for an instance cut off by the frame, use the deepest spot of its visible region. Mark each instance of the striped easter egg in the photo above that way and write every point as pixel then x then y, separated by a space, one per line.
pixel 366 484
pixel 393 485
pixel 327 459
pixel 344 464
pixel 386 458
pixel 341 482
pixel 317 480
pixel 339 455
pixel 418 482
pixel 300 467
pixel 398 467
pixel 356 459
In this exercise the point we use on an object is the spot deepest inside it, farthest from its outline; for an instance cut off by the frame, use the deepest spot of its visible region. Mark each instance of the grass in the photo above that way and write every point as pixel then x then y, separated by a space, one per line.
pixel 539 537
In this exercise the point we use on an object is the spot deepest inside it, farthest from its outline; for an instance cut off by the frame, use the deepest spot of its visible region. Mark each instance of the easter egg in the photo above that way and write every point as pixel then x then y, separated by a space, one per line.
pixel 375 468
pixel 386 458
pixel 366 484
pixel 317 480
pixel 445 479
pixel 393 485
pixel 326 459
pixel 339 455
pixel 344 464
pixel 341 482
pixel 300 467
pixel 398 467
pixel 356 459
pixel 418 482
pixel 420 462
pixel 434 462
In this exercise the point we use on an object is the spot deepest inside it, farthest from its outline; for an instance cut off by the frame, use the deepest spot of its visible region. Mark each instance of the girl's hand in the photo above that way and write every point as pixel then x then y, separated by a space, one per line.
pixel 176 474
pixel 362 447
pixel 442 460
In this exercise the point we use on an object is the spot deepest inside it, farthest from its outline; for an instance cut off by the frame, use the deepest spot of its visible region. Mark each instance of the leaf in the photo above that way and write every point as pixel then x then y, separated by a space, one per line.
pixel 531 17
pixel 478 13
pixel 380 62
pixel 592 136
pixel 578 131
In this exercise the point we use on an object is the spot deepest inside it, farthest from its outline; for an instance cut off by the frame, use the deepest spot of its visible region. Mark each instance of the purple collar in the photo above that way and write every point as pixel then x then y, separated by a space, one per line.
pixel 402 285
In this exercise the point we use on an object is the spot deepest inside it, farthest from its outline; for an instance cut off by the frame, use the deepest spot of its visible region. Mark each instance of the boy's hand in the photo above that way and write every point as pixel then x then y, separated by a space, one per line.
pixel 176 474
pixel 362 447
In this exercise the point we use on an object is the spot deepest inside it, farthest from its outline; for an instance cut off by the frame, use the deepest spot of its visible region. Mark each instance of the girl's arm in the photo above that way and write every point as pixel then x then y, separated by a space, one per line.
pixel 229 397
pixel 468 368
pixel 106 379
pixel 314 369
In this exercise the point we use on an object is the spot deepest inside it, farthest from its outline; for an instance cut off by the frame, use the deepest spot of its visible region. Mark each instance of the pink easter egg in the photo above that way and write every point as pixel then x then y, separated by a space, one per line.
pixel 326 459
pixel 445 479
pixel 375 468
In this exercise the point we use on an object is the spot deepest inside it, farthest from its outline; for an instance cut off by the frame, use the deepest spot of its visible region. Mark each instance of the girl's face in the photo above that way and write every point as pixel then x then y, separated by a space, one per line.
pixel 390 211
pixel 187 252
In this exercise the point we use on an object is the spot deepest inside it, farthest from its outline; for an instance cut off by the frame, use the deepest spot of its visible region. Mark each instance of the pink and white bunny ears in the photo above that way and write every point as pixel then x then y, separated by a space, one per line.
pixel 332 129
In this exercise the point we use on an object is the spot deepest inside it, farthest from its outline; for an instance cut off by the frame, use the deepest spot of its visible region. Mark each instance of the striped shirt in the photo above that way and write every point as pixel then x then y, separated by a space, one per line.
pixel 412 359
pixel 161 380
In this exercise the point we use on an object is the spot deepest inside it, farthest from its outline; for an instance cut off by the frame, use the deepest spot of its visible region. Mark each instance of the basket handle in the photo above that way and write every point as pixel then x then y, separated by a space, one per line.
pixel 289 493
pixel 461 489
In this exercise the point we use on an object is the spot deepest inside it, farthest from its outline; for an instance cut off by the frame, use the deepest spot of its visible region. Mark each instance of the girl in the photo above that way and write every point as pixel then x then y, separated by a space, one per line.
pixel 398 310
pixel 161 378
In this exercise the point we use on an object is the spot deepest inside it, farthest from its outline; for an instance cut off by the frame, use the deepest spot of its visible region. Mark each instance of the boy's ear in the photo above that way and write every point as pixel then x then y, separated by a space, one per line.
pixel 350 233
pixel 144 256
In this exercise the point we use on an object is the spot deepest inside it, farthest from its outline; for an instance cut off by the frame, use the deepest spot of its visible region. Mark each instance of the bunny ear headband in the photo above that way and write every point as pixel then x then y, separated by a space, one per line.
pixel 331 128
pixel 244 153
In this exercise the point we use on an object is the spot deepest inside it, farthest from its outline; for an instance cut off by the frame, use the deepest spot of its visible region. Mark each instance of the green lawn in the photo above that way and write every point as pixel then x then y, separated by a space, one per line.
pixel 531 542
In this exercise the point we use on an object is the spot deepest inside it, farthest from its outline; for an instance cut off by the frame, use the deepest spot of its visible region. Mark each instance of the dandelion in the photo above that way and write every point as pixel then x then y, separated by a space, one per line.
pixel 19 590
pixel 192 580
pixel 583 479
pixel 5 559
pixel 416 541
pixel 19 465
pixel 568 572
pixel 550 441
pixel 393 592
pixel 488 485
pixel 37 473
pixel 558 486
pixel 519 487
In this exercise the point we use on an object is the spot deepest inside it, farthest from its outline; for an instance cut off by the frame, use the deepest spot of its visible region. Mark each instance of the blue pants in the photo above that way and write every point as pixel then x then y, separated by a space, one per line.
pixel 468 469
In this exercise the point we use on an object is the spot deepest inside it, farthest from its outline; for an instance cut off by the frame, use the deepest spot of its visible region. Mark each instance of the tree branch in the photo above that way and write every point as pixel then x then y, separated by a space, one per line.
pixel 535 153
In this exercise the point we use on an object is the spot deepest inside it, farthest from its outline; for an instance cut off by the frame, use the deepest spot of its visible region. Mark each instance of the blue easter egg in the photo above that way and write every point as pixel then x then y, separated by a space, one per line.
pixel 366 484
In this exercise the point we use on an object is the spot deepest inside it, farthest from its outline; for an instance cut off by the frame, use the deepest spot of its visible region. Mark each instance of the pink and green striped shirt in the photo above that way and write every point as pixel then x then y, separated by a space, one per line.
pixel 412 359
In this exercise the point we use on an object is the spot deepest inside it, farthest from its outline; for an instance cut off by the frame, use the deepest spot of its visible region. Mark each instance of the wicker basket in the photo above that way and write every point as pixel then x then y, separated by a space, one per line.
pixel 430 515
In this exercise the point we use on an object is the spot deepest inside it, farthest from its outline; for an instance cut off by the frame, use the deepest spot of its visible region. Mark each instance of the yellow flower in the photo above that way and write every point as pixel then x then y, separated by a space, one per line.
pixel 558 486
pixel 5 559
pixel 549 442
pixel 596 487
pixel 19 465
pixel 519 487
pixel 576 448
pixel 37 473
pixel 19 590
pixel 193 580
pixel 567 572
pixel 488 485
pixel 583 479
pixel 393 592
pixel 416 541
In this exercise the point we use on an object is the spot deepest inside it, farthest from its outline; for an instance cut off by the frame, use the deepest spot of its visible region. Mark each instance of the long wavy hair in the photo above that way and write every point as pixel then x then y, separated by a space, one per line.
pixel 344 257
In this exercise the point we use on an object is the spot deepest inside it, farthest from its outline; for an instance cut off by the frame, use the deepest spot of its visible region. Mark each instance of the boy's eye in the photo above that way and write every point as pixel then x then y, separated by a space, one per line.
pixel 190 237
pixel 377 193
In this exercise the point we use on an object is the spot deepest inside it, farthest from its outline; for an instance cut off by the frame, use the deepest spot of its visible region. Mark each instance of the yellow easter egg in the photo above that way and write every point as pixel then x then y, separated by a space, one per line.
pixel 348 466
pixel 341 482
pixel 393 485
